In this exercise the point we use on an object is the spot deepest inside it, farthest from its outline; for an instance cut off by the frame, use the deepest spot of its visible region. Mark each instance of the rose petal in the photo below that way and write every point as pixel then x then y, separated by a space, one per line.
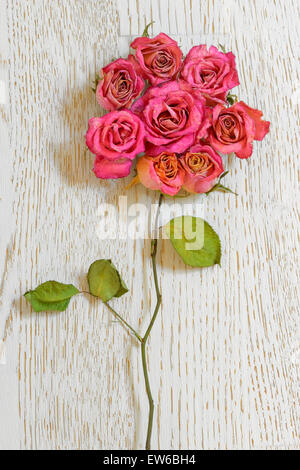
pixel 107 169
pixel 261 127
pixel 147 174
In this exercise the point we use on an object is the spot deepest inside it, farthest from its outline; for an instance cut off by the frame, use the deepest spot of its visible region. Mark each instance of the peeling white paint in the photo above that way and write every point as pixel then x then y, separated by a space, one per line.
pixel 2 92
pixel 6 191
pixel 2 353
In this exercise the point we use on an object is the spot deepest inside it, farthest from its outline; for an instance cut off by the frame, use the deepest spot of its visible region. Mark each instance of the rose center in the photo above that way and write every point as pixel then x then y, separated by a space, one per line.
pixel 228 128
pixel 207 76
pixel 173 118
pixel 162 63
pixel 199 163
pixel 122 85
pixel 166 167
pixel 121 133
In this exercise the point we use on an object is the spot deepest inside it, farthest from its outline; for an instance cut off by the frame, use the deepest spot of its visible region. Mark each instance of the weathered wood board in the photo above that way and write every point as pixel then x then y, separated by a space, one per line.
pixel 224 354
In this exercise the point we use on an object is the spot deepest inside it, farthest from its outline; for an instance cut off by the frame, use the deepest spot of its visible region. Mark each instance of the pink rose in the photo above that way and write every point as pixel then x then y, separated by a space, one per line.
pixel 120 85
pixel 111 169
pixel 212 72
pixel 172 115
pixel 234 129
pixel 202 167
pixel 159 58
pixel 163 173
pixel 115 139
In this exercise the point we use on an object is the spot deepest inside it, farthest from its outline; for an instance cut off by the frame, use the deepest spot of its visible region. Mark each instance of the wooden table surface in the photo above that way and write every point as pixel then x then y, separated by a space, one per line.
pixel 224 354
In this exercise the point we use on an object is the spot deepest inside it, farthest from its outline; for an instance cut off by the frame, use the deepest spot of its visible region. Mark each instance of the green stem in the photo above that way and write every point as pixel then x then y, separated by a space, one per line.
pixel 118 317
pixel 124 322
pixel 154 243
pixel 149 394
pixel 143 340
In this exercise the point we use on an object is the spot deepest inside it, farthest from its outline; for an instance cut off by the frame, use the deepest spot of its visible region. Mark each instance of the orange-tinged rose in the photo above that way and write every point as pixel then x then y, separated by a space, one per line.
pixel 163 173
pixel 202 165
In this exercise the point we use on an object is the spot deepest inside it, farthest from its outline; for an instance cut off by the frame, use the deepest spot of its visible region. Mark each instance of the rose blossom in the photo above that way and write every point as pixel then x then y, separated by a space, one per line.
pixel 159 58
pixel 119 86
pixel 212 72
pixel 234 129
pixel 172 115
pixel 115 139
pixel 202 167
pixel 162 172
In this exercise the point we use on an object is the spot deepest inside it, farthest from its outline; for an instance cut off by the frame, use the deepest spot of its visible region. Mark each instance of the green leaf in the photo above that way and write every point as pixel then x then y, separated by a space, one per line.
pixel 194 240
pixel 223 175
pixel 222 48
pixel 219 187
pixel 224 189
pixel 231 99
pixel 181 194
pixel 97 80
pixel 104 280
pixel 123 288
pixel 51 296
pixel 145 33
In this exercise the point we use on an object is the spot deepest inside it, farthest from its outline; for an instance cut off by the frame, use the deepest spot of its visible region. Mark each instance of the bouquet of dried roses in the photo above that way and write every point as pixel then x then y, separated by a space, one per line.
pixel 175 118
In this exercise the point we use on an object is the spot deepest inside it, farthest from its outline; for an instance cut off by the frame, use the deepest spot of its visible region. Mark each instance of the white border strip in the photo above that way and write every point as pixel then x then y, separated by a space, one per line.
pixel 6 193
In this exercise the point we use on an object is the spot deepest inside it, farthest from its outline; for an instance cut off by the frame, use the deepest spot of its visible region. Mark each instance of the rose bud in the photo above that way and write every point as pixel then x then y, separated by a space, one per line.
pixel 234 129
pixel 172 115
pixel 163 173
pixel 115 139
pixel 202 167
pixel 119 86
pixel 159 58
pixel 212 72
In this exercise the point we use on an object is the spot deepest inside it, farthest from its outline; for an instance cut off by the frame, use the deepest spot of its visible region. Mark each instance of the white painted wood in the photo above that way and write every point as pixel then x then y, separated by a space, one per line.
pixel 225 350
pixel 10 437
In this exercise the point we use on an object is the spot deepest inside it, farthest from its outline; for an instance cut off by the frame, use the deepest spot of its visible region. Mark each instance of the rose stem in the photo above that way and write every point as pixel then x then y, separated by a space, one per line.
pixel 118 317
pixel 121 320
pixel 154 242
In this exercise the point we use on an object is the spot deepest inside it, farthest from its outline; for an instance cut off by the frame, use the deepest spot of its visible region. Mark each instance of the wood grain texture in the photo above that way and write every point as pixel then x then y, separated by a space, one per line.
pixel 225 350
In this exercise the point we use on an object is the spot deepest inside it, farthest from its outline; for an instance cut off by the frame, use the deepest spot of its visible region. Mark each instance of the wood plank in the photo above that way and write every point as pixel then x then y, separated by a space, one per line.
pixel 224 354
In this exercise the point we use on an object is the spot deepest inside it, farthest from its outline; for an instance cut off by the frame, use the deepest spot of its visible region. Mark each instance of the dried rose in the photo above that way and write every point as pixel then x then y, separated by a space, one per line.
pixel 159 58
pixel 119 86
